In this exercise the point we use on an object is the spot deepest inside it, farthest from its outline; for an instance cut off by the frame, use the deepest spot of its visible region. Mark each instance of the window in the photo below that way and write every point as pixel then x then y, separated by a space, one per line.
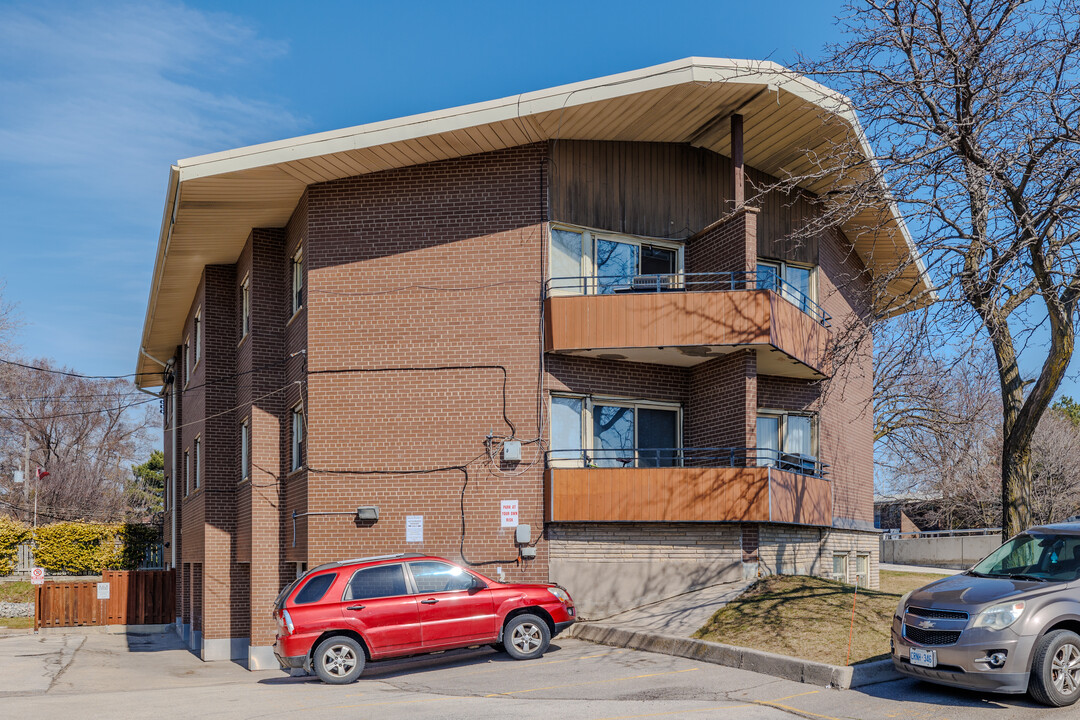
pixel 797 284
pixel 187 360
pixel 245 308
pixel 610 432
pixel 298 280
pixel 376 582
pixel 839 567
pixel 245 449
pixel 198 335
pixel 314 589
pixel 297 437
pixel 862 570
pixel 187 474
pixel 434 577
pixel 787 441
pixel 587 261
pixel 198 463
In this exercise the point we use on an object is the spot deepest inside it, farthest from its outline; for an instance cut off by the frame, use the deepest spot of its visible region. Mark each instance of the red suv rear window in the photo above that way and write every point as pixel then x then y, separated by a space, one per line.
pixel 314 589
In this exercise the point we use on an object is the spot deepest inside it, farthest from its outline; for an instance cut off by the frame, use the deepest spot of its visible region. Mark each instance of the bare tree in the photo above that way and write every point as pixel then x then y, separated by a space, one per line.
pixel 86 433
pixel 972 109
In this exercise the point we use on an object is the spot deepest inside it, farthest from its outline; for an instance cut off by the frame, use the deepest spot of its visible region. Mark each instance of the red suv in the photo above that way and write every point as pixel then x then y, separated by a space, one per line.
pixel 336 617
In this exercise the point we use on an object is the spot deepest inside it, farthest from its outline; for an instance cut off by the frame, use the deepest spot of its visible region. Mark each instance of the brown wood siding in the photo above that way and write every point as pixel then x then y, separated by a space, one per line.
pixel 662 190
pixel 801 499
pixel 781 215
pixel 686 495
pixel 668 190
pixel 677 319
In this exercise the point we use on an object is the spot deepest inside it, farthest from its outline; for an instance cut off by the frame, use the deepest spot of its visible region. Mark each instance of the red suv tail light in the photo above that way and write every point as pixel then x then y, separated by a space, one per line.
pixel 284 621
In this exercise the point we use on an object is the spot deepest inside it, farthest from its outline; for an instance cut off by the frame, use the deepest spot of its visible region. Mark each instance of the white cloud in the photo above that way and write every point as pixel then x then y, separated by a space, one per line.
pixel 117 92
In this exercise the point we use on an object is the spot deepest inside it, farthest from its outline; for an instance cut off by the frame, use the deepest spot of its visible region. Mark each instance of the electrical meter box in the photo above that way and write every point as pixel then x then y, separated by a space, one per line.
pixel 511 451
pixel 522 534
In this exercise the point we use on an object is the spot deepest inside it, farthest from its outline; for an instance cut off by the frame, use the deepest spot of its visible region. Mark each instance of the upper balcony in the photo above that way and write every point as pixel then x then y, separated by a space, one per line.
pixel 686 485
pixel 687 318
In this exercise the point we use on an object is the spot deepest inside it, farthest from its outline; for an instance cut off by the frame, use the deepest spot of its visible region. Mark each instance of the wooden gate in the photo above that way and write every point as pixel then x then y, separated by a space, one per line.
pixel 139 597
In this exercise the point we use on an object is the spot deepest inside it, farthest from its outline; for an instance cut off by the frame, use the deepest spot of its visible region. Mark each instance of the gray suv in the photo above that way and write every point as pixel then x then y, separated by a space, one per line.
pixel 1010 624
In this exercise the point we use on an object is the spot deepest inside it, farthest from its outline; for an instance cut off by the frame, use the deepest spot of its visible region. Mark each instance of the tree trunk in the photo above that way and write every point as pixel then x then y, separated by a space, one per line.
pixel 1016 488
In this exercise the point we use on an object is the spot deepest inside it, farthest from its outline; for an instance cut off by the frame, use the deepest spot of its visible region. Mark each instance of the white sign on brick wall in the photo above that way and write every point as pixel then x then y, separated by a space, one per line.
pixel 414 528
pixel 508 509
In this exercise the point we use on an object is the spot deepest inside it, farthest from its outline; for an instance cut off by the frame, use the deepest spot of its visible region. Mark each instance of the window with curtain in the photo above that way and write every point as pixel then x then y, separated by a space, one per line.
pixel 787 441
pixel 614 433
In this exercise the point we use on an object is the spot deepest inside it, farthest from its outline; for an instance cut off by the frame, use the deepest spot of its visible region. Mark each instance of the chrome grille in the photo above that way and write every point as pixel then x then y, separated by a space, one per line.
pixel 938 614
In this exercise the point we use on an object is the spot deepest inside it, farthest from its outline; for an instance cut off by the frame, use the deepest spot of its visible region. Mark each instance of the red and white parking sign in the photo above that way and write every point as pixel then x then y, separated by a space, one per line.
pixel 508 510
pixel 37 576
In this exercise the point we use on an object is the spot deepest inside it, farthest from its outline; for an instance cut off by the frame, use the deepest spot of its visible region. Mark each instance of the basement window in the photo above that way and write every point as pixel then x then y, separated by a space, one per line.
pixel 614 432
pixel 600 263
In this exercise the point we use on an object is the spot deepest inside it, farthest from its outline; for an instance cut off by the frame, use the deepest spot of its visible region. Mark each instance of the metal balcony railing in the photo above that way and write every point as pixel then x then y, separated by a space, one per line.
pixel 689 282
pixel 686 458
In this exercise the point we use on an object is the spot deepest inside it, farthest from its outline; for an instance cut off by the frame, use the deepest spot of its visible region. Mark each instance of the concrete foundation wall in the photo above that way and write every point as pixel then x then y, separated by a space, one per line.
pixel 611 567
pixel 956 553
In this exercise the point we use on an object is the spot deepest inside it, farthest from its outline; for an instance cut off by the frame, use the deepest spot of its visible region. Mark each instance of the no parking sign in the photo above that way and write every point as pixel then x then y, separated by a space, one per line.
pixel 37 576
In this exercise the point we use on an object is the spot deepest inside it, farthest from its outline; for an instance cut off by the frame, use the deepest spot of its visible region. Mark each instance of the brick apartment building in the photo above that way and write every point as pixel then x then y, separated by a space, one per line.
pixel 385 316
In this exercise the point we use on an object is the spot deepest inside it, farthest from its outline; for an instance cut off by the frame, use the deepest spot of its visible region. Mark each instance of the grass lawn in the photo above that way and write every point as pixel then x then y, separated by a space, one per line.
pixel 17 623
pixel 810 618
pixel 20 591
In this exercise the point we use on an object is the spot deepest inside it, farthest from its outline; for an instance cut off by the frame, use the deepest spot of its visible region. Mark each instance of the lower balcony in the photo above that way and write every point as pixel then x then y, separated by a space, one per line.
pixel 686 485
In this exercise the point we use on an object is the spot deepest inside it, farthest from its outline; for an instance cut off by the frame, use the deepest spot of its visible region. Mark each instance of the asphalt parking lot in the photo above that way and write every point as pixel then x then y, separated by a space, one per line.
pixel 112 676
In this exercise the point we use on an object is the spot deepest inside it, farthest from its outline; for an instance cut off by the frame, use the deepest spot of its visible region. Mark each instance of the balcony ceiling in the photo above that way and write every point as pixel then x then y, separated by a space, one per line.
pixel 213 201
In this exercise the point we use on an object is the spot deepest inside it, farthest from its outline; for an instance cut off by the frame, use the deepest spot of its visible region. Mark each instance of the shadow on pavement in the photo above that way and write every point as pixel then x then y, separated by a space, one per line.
pixel 402 667
pixel 918 691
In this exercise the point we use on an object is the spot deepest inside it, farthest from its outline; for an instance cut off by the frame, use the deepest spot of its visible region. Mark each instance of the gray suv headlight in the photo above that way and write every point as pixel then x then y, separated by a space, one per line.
pixel 903 602
pixel 999 617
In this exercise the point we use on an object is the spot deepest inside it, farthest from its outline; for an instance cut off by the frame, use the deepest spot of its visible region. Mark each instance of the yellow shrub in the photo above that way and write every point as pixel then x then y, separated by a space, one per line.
pixel 12 534
pixel 80 548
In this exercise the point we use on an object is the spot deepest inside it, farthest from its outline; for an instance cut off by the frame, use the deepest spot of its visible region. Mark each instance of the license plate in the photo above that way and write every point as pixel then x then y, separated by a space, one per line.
pixel 923 658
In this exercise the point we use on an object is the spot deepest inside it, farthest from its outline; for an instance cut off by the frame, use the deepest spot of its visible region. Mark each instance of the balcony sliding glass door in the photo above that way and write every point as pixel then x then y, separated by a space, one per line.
pixel 585 261
pixel 613 433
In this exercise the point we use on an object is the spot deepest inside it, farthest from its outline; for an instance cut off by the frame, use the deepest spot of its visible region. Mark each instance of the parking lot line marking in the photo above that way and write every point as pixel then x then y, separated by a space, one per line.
pixel 593 682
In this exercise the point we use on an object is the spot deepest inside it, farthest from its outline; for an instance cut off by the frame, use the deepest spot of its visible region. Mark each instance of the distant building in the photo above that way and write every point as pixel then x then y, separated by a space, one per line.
pixel 389 316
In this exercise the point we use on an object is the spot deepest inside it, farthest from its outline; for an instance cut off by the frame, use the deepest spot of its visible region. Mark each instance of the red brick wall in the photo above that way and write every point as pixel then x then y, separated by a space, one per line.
pixel 722 408
pixel 424 267
pixel 728 245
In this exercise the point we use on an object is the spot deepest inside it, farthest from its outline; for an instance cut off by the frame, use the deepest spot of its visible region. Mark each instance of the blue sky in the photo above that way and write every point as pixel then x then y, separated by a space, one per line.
pixel 100 98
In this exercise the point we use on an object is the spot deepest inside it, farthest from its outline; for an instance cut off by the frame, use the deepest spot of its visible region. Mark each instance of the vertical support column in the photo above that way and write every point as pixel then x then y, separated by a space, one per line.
pixel 739 182
pixel 268 296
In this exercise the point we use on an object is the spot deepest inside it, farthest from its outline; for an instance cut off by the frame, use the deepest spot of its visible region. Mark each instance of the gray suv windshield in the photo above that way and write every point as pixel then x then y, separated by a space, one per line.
pixel 1053 558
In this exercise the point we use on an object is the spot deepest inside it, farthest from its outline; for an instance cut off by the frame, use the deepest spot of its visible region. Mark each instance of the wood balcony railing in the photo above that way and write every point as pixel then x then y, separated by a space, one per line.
pixel 688 324
pixel 686 494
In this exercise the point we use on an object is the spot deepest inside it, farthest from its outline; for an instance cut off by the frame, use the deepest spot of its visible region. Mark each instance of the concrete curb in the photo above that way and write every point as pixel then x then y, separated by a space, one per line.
pixel 781 666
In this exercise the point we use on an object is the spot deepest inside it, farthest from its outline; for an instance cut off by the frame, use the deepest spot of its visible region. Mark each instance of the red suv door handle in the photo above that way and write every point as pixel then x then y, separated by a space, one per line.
pixel 429 601
pixel 355 607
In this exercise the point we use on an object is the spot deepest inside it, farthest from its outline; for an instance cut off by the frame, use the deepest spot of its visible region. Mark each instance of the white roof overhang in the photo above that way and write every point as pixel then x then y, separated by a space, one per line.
pixel 213 201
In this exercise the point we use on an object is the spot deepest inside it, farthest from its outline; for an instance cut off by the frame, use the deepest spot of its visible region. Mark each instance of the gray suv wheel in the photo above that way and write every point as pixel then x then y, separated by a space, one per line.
pixel 1055 669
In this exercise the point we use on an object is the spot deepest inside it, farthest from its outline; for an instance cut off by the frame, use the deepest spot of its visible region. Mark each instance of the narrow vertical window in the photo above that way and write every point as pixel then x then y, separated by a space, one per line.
pixel 198 463
pixel 245 308
pixel 298 280
pixel 567 446
pixel 198 335
pixel 187 474
pixel 245 449
pixel 187 360
pixel 297 437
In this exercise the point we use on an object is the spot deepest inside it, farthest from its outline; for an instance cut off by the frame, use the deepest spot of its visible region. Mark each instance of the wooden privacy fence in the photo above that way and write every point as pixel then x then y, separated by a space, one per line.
pixel 139 597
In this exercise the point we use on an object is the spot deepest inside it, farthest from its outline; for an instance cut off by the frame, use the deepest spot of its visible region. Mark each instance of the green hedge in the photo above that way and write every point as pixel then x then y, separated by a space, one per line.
pixel 12 534
pixel 91 548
